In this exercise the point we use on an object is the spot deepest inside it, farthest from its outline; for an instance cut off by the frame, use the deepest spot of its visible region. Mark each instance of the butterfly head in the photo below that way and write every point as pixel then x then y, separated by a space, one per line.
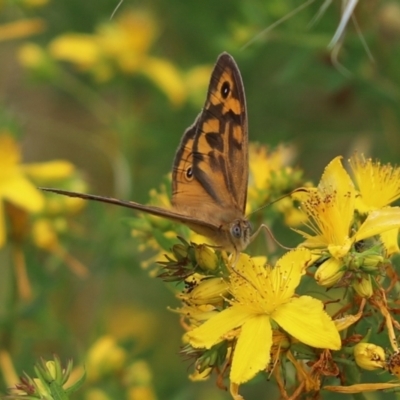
pixel 239 234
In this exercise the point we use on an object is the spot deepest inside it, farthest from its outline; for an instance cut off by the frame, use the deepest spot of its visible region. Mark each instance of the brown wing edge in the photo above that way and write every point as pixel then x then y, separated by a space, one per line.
pixel 226 60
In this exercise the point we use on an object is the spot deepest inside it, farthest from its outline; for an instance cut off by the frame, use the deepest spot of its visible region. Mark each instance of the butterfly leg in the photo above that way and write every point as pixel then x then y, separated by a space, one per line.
pixel 263 226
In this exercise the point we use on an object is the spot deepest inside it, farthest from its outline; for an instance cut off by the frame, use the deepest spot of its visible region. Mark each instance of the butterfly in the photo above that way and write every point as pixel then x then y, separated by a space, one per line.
pixel 211 167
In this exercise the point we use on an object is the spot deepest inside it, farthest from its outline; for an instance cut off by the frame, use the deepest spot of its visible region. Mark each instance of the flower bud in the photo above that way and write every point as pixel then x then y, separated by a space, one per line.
pixel 371 263
pixel 179 251
pixel 329 273
pixel 369 356
pixel 363 286
pixel 208 291
pixel 206 257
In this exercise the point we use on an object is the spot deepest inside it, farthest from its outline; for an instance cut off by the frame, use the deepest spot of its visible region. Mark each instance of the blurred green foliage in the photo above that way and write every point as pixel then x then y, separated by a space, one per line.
pixel 122 132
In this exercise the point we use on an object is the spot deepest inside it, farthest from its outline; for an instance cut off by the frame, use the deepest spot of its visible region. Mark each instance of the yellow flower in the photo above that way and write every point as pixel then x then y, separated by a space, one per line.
pixel 15 186
pixel 15 179
pixel 379 185
pixel 369 356
pixel 262 295
pixel 331 209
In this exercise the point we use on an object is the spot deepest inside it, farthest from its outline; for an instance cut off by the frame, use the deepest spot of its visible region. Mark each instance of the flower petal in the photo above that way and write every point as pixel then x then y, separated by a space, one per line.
pixel 213 330
pixel 252 351
pixel 379 221
pixel 167 77
pixel 286 275
pixel 20 192
pixel 57 169
pixel 305 319
pixel 390 241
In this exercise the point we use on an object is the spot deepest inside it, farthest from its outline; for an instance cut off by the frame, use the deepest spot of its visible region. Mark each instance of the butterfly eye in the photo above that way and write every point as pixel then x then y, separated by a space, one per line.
pixel 189 173
pixel 236 231
pixel 225 89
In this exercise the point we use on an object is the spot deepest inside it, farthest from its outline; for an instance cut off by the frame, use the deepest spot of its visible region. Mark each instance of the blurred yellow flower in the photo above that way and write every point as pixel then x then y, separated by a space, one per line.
pixel 270 177
pixel 78 48
pixel 122 44
pixel 15 186
pixel 165 75
pixel 22 28
pixel 30 55
pixel 262 295
pixel 104 357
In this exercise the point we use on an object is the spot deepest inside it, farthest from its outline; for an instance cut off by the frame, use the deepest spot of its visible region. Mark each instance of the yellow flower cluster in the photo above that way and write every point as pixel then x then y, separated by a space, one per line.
pixel 243 315
pixel 353 230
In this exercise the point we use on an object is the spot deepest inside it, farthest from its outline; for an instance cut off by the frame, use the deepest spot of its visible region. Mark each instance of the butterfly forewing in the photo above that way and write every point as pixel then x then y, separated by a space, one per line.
pixel 211 164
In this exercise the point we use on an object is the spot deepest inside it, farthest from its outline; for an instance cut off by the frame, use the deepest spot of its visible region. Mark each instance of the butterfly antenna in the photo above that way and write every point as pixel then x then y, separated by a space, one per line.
pixel 87 196
pixel 270 204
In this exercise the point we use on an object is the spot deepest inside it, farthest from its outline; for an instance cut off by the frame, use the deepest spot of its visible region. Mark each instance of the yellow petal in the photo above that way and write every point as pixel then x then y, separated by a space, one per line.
pixel 252 351
pixel 305 319
pixel 286 275
pixel 20 192
pixel 213 330
pixel 346 321
pixel 379 221
pixel 335 178
pixel 81 49
pixel 166 76
pixel 390 240
pixel 10 153
pixel 57 169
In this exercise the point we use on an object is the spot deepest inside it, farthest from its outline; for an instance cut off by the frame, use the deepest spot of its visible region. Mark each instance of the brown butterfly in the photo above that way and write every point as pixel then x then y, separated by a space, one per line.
pixel 210 170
